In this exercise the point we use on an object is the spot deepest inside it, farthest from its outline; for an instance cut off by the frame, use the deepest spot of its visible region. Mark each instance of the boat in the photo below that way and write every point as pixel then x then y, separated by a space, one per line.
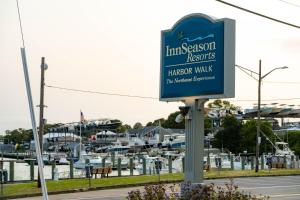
pixel 282 149
pixel 174 141
pixel 213 114
pixel 118 148
pixel 101 149
pixel 63 161
pixel 214 159
pixel 124 162
pixel 265 111
pixel 284 112
pixel 95 161
pixel 275 110
pixel 114 147
pixel 250 113
pixel 294 113
pixel 47 159
pixel 150 165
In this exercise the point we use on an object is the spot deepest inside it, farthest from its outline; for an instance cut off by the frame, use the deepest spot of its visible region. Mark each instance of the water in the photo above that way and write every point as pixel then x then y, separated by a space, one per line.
pixel 22 171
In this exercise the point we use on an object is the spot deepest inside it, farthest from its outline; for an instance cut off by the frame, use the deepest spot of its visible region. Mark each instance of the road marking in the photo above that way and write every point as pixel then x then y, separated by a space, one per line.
pixel 277 186
pixel 284 195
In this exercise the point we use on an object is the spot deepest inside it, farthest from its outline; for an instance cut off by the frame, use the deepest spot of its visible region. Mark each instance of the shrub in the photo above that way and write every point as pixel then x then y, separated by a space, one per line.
pixel 193 192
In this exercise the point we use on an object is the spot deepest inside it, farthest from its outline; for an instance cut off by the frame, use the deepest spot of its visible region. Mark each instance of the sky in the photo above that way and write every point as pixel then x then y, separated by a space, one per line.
pixel 114 47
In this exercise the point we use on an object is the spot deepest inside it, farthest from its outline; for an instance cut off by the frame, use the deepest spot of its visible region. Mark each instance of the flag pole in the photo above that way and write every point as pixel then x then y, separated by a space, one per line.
pixel 80 138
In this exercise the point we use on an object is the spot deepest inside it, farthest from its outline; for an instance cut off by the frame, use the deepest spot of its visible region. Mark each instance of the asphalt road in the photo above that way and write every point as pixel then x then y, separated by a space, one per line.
pixel 280 187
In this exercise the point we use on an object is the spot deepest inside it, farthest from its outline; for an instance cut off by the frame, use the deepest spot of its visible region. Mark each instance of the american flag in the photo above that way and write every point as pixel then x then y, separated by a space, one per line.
pixel 82 120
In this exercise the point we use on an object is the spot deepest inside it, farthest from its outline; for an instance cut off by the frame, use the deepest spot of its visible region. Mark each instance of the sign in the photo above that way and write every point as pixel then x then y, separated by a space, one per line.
pixel 198 59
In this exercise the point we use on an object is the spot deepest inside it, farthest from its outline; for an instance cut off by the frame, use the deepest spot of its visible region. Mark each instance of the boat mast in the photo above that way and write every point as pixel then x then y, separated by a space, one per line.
pixel 79 155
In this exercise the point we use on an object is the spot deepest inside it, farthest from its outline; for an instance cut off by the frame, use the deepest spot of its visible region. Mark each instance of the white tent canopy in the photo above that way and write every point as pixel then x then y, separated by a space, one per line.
pixel 110 133
pixel 59 135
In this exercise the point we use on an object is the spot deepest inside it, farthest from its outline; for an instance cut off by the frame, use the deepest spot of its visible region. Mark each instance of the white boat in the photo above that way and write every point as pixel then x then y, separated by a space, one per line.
pixel 118 148
pixel 150 165
pixel 174 141
pixel 63 161
pixel 94 160
pixel 102 149
pixel 124 162
pixel 282 149
pixel 47 160
pixel 284 112
pixel 224 157
pixel 213 114
pixel 275 110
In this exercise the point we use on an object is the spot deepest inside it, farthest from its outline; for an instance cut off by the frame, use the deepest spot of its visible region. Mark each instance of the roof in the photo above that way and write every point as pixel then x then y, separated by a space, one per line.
pixel 154 130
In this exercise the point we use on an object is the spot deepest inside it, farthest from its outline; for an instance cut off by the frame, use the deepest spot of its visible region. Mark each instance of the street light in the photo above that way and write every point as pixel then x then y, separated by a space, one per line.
pixel 258 139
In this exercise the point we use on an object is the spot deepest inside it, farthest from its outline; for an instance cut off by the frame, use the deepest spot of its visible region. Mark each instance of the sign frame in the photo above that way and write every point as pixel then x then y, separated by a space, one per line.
pixel 229 59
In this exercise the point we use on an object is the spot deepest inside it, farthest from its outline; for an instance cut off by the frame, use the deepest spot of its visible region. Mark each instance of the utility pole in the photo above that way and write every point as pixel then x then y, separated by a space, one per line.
pixel 258 120
pixel 41 124
pixel 258 138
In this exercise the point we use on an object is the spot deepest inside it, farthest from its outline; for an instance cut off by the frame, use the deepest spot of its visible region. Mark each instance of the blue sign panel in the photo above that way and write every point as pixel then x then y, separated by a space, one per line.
pixel 192 59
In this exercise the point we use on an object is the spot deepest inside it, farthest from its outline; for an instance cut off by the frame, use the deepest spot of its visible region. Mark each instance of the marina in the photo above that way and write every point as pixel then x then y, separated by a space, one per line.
pixel 134 96
pixel 149 150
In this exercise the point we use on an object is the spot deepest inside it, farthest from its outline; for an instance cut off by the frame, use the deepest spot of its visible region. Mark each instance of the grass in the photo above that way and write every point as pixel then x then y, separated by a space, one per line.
pixel 24 189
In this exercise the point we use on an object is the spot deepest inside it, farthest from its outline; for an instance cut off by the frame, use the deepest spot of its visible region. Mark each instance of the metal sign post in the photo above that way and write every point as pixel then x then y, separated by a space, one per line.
pixel 194 152
pixel 33 123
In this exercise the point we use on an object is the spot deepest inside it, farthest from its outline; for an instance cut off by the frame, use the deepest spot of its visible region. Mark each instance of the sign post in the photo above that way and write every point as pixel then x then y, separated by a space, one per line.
pixel 194 148
pixel 197 63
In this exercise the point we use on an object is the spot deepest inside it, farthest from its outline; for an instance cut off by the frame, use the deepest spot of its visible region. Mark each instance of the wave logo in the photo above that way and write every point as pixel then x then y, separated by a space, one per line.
pixel 198 38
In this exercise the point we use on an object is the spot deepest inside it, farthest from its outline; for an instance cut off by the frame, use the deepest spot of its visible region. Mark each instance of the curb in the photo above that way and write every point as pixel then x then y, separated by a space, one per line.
pixel 130 185
pixel 87 189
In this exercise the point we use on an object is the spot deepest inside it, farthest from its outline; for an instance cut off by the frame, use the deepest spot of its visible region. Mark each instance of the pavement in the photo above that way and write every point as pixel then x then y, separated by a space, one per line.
pixel 276 187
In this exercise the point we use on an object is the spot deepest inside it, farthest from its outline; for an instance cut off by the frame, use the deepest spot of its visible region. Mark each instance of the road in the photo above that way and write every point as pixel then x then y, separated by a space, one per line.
pixel 280 187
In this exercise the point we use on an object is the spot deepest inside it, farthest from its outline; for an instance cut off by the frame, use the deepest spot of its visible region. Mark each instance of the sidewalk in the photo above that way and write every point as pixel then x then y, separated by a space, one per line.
pixel 112 194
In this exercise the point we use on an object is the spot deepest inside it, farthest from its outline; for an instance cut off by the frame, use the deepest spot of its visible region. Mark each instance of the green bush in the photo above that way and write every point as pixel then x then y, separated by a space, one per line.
pixel 192 192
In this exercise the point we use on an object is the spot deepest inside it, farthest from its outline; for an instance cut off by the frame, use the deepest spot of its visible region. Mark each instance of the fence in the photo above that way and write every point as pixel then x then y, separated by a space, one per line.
pixel 19 170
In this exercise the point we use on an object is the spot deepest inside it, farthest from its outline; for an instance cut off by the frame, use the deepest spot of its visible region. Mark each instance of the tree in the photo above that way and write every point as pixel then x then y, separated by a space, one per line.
pixel 248 133
pixel 229 137
pixel 149 124
pixel 47 127
pixel 207 125
pixel 170 122
pixel 17 136
pixel 137 125
pixel 223 104
pixel 123 128
pixel 293 138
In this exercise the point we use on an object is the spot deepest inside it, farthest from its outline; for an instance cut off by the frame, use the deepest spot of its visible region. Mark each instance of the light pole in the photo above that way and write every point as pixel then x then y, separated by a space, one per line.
pixel 258 138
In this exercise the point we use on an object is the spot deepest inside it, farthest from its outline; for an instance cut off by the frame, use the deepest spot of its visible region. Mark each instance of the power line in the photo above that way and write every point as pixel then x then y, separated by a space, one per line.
pixel 287 99
pixel 102 93
pixel 281 82
pixel 147 97
pixel 261 15
pixel 20 24
pixel 290 3
pixel 247 71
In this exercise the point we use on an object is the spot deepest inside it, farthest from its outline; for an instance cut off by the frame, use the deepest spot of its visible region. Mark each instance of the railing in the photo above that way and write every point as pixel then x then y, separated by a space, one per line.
pixel 19 170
